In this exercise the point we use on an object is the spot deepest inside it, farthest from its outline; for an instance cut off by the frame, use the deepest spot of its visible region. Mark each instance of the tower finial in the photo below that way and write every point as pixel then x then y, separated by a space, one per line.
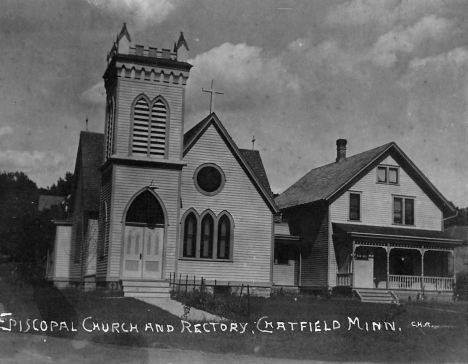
pixel 86 123
pixel 253 142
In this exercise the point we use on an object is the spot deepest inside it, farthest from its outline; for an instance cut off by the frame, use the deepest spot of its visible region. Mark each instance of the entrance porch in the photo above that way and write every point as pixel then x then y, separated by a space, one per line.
pixel 394 259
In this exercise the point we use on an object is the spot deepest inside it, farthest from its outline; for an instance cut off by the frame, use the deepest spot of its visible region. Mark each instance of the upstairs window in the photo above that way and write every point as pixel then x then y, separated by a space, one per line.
pixel 149 128
pixel 355 206
pixel 387 175
pixel 403 210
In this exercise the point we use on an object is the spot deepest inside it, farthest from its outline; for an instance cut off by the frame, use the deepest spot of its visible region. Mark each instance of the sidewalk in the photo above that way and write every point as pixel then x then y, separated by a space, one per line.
pixel 177 309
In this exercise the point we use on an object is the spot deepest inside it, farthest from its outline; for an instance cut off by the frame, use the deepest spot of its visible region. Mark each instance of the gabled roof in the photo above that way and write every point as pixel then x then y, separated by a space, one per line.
pixel 329 182
pixel 250 161
pixel 88 161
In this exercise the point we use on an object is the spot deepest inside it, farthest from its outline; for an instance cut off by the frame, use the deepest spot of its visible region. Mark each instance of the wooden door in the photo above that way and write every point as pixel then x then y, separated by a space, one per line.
pixel 152 253
pixel 133 247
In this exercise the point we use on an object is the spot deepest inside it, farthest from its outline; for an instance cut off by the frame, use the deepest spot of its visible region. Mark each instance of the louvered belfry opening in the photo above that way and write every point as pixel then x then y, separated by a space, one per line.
pixel 141 117
pixel 158 129
pixel 149 128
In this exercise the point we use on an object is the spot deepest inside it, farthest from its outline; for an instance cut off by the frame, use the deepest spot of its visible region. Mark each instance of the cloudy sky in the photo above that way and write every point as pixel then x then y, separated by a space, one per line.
pixel 297 74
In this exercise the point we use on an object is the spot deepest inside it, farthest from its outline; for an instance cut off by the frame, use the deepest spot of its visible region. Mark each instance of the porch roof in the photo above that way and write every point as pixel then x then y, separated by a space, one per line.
pixel 394 233
pixel 282 232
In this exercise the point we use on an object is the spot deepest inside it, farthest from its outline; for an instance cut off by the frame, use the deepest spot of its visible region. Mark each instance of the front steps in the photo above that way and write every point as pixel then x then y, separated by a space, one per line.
pixel 146 289
pixel 376 295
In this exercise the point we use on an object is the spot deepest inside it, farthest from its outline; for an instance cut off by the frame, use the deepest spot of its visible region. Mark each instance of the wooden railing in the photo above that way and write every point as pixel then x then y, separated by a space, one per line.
pixel 414 283
pixel 438 284
pixel 344 279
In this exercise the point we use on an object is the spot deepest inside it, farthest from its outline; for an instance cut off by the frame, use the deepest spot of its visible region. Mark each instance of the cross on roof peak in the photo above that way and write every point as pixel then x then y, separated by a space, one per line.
pixel 212 92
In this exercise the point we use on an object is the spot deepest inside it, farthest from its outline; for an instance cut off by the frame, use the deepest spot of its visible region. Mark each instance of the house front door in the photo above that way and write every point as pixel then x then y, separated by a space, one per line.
pixel 143 250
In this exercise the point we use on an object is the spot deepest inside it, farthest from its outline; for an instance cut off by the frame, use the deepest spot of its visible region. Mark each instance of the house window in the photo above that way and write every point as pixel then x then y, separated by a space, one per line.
pixel 207 232
pixel 149 127
pixel 190 235
pixel 355 206
pixel 387 175
pixel 224 238
pixel 210 238
pixel 403 210
pixel 110 127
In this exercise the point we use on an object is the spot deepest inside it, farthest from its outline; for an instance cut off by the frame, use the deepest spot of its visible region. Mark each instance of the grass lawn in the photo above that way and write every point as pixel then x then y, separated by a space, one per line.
pixel 447 343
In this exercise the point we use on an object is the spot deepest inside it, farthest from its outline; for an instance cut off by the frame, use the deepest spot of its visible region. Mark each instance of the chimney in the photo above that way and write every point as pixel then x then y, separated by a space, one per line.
pixel 341 149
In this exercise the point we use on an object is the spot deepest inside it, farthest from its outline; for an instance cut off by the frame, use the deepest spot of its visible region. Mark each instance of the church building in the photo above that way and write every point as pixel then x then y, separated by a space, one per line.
pixel 151 202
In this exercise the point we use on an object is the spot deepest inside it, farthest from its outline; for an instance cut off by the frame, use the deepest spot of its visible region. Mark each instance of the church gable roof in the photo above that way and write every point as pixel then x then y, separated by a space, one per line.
pixel 330 181
pixel 250 161
pixel 88 161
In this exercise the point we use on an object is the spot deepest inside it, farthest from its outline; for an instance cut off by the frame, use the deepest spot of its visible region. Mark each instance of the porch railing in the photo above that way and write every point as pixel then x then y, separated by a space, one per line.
pixel 418 283
pixel 344 279
pixel 438 284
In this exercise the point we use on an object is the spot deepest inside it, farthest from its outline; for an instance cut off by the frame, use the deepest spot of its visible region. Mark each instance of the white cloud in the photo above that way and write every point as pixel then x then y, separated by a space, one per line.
pixel 406 39
pixel 144 12
pixel 5 130
pixel 95 94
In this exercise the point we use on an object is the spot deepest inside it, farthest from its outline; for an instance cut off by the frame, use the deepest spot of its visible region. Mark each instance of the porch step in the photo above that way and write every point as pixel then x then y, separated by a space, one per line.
pixel 147 289
pixel 376 296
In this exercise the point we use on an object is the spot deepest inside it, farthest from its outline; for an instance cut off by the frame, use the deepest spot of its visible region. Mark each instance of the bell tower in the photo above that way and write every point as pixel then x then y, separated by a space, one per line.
pixel 142 152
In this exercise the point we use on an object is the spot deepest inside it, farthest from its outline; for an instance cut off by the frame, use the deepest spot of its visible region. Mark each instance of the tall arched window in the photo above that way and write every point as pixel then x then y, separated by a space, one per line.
pixel 158 129
pixel 224 238
pixel 141 118
pixel 110 127
pixel 207 232
pixel 150 127
pixel 190 235
pixel 145 209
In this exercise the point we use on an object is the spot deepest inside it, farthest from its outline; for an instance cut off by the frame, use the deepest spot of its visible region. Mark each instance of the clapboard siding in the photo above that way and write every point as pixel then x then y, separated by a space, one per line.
pixel 104 236
pixel 62 252
pixel 252 218
pixel 377 202
pixel 314 266
pixel 77 217
pixel 128 182
pixel 128 91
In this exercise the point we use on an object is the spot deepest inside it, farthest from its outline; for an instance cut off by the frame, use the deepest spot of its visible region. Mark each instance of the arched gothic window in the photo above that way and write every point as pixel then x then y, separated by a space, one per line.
pixel 190 235
pixel 110 127
pixel 207 235
pixel 224 238
pixel 149 128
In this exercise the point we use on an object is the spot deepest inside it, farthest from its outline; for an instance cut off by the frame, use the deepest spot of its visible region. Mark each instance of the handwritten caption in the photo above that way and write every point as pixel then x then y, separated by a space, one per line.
pixel 262 325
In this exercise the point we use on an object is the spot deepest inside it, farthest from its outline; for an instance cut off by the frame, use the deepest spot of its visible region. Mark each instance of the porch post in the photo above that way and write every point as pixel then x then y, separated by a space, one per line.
pixel 352 263
pixel 422 269
pixel 388 265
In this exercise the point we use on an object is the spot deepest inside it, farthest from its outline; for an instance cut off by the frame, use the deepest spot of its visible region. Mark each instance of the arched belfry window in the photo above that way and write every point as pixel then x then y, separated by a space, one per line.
pixel 149 127
pixel 110 127
pixel 190 235
pixel 158 129
pixel 141 118
pixel 145 209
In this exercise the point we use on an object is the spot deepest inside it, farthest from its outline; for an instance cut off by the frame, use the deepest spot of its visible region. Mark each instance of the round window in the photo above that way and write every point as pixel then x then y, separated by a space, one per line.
pixel 209 179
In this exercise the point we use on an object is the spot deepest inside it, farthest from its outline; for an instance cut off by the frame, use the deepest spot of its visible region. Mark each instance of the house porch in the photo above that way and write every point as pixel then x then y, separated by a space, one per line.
pixel 392 260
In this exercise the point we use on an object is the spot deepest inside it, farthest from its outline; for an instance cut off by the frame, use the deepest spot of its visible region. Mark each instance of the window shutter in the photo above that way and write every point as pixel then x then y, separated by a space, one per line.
pixel 158 129
pixel 140 128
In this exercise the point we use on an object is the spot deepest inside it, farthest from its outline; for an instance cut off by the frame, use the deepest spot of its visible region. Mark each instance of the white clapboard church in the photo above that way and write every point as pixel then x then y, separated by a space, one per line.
pixel 153 201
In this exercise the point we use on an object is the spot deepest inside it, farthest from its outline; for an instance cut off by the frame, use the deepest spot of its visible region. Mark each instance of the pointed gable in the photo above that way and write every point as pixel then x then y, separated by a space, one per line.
pixel 328 182
pixel 250 161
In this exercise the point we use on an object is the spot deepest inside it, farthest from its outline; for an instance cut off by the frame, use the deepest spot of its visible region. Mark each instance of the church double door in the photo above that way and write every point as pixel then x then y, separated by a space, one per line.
pixel 143 251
